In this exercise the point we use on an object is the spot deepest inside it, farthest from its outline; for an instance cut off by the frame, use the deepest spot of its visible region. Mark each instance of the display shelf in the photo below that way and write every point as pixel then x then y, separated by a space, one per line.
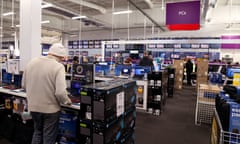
pixel 205 103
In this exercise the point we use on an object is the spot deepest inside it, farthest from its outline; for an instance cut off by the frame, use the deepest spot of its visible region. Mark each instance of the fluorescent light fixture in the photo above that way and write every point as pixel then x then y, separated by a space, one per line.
pixel 123 12
pixel 8 13
pixel 44 22
pixel 78 17
pixel 47 5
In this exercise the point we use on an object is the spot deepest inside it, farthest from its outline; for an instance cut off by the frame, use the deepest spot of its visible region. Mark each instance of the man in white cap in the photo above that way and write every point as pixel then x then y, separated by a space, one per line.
pixel 45 85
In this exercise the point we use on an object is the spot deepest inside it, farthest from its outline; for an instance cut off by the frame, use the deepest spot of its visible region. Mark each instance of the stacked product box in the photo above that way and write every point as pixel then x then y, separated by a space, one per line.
pixel 228 110
pixel 178 65
pixel 202 71
pixel 68 127
pixel 108 112
pixel 157 86
pixel 170 84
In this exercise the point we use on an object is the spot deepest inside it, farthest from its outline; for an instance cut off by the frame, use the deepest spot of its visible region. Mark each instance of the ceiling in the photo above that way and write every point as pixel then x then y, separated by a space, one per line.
pixel 220 14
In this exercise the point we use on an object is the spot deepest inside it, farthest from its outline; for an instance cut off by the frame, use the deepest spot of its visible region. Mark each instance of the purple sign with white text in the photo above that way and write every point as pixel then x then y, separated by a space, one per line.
pixel 183 13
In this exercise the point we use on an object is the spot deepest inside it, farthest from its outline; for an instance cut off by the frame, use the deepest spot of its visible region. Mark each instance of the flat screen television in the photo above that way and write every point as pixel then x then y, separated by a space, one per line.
pixel 6 77
pixel 102 67
pixel 231 71
pixel 139 71
pixel 75 88
pixel 126 70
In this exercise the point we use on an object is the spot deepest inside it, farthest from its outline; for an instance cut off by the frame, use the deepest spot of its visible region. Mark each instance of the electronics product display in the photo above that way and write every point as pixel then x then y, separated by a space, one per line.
pixel 105 107
pixel 231 71
pixel 157 86
pixel 68 127
pixel 140 71
pixel 6 77
pixel 170 83
pixel 83 73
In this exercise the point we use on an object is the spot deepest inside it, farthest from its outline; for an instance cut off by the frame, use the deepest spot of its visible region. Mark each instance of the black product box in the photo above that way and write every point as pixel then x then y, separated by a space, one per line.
pixel 85 132
pixel 127 138
pixel 109 99
pixel 68 132
pixel 129 120
pixel 130 91
pixel 83 73
pixel 86 98
pixel 108 133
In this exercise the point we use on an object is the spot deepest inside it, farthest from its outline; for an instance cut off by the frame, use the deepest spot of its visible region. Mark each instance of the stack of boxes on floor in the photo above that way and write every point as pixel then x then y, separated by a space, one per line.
pixel 171 79
pixel 202 71
pixel 228 110
pixel 82 74
pixel 108 112
pixel 157 86
pixel 178 65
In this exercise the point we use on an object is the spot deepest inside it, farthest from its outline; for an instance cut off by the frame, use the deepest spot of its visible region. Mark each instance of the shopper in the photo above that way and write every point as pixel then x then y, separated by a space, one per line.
pixel 189 70
pixel 128 61
pixel 45 85
pixel 146 60
pixel 75 60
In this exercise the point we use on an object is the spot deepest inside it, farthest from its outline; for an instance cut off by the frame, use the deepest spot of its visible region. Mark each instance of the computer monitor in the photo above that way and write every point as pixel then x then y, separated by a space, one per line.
pixel 231 71
pixel 75 88
pixel 102 67
pixel 126 70
pixel 6 77
pixel 139 71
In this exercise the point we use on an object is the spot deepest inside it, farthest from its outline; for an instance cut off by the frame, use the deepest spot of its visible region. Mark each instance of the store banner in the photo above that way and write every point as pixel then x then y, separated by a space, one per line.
pixel 230 45
pixel 183 15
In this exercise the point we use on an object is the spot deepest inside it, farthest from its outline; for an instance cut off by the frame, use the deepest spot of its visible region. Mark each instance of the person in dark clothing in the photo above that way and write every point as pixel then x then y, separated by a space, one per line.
pixel 75 60
pixel 146 60
pixel 189 70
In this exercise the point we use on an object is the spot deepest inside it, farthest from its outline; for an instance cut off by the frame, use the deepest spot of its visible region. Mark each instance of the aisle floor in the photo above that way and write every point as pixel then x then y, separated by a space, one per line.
pixel 174 126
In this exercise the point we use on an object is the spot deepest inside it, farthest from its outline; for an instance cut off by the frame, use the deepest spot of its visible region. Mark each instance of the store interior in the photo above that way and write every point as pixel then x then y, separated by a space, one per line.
pixel 109 38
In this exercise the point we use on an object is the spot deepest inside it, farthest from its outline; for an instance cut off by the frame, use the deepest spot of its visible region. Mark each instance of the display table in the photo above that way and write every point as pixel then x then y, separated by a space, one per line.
pixel 21 94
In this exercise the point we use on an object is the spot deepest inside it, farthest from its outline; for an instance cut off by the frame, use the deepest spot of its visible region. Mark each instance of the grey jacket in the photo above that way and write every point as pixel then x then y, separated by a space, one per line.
pixel 45 85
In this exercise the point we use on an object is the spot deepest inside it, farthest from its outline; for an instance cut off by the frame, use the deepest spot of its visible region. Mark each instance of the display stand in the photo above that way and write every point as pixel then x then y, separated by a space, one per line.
pixel 141 95
pixel 219 136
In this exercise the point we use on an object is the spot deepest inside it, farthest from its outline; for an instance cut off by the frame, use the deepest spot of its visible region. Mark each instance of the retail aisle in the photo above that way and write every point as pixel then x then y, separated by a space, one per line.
pixel 175 125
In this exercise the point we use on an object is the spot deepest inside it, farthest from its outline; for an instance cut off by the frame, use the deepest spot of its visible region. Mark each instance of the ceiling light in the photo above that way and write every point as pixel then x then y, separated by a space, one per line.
pixel 78 17
pixel 123 12
pixel 44 22
pixel 8 13
pixel 47 5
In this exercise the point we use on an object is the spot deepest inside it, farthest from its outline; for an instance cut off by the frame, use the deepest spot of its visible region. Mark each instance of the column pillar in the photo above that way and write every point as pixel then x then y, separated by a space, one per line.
pixel 30 30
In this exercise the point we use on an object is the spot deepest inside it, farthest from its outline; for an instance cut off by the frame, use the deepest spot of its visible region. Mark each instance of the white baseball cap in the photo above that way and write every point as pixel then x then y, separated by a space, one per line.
pixel 58 49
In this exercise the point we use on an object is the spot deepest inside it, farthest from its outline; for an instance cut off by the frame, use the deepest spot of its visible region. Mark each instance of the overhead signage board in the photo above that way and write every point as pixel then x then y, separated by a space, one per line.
pixel 230 45
pixel 183 15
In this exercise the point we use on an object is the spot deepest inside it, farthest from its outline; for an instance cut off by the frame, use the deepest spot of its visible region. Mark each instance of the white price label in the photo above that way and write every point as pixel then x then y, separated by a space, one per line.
pixel 120 103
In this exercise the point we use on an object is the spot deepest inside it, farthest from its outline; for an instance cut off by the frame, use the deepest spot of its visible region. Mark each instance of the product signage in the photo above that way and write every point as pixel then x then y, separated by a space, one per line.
pixel 230 45
pixel 183 15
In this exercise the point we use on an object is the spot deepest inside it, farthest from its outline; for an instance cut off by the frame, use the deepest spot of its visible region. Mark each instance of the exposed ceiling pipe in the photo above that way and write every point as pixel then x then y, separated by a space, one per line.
pixel 145 14
pixel 149 2
pixel 90 5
